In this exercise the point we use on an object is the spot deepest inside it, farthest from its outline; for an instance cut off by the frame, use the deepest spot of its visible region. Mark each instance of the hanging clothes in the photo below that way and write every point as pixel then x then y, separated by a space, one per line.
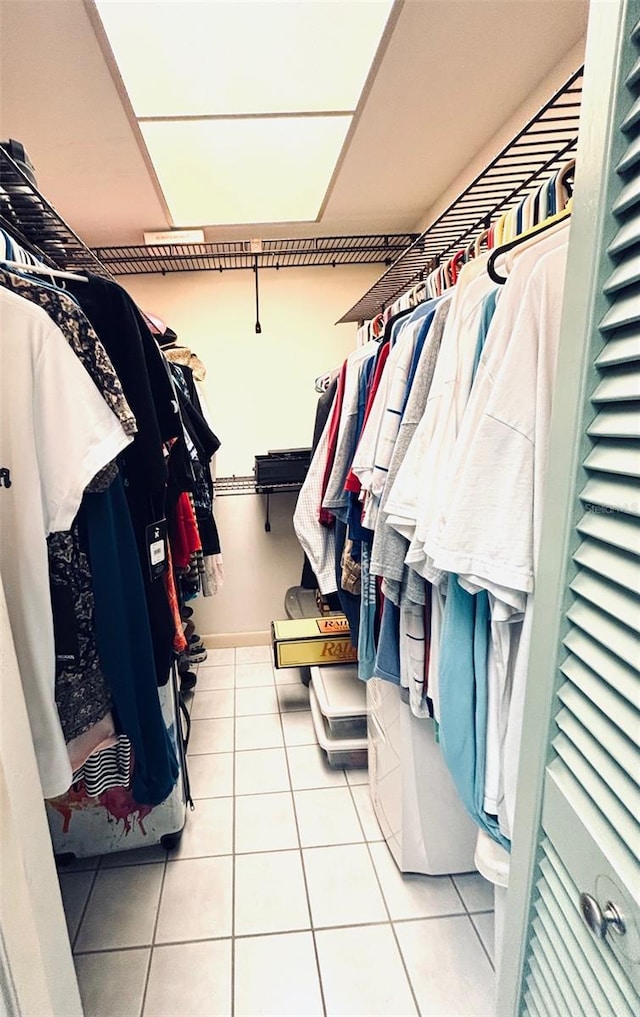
pixel 440 502
pixel 511 432
pixel 202 444
pixel 47 470
pixel 139 365
pixel 317 541
pixel 325 402
pixel 390 547
pixel 124 641
pixel 82 695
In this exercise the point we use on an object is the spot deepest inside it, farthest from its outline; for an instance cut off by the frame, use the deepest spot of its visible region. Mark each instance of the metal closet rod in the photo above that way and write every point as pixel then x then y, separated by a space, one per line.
pixel 164 268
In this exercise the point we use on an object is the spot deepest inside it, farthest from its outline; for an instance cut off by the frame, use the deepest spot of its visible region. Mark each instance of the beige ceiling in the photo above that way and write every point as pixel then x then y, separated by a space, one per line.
pixel 452 73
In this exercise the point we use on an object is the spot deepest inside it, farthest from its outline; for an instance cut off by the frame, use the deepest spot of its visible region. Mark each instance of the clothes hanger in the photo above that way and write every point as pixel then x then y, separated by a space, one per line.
pixel 408 300
pixel 499 229
pixel 454 265
pixel 420 292
pixel 438 281
pixel 543 203
pixel 16 257
pixel 322 383
pixel 564 183
pixel 469 252
pixel 528 219
pixel 552 207
pixel 477 243
pixel 549 225
pixel 511 229
pixel 400 304
pixel 35 269
pixel 433 281
pixel 518 215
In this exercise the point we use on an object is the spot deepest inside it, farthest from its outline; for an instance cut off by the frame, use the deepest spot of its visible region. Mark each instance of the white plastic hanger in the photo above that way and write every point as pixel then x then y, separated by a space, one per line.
pixel 36 269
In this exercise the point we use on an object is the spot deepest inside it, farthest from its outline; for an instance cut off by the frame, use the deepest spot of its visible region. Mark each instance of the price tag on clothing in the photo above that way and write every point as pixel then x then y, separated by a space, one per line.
pixel 65 627
pixel 156 543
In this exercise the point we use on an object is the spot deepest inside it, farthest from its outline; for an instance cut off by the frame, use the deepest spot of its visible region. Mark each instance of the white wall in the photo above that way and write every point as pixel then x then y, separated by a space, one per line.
pixel 260 392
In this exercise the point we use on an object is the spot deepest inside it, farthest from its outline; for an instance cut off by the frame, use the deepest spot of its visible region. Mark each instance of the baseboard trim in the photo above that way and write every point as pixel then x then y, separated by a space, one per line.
pixel 222 640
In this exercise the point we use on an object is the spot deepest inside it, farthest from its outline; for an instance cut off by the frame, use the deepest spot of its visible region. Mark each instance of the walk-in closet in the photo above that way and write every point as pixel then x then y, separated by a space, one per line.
pixel 319 508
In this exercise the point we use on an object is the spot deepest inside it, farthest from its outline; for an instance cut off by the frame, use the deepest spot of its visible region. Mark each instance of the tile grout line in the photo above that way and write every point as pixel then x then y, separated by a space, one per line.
pixel 100 868
pixel 119 949
pixel 162 881
pixel 482 943
pixel 232 973
pixel 386 906
pixel 234 855
pixel 72 942
pixel 286 932
pixel 304 870
pixel 283 932
pixel 275 850
pixel 154 932
pixel 234 937
pixel 467 910
pixel 461 898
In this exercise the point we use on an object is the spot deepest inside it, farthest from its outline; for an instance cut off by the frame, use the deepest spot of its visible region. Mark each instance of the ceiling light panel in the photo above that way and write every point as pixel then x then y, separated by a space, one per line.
pixel 231 172
pixel 189 58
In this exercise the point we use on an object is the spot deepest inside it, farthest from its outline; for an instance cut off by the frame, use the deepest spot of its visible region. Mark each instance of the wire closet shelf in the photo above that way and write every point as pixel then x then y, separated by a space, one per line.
pixel 33 222
pixel 238 254
pixel 547 141
pixel 247 485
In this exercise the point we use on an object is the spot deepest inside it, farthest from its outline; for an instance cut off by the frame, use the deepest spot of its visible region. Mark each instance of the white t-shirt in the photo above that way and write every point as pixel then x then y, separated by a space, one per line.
pixel 491 531
pixel 374 451
pixel 406 496
pixel 396 396
pixel 486 523
pixel 317 541
pixel 56 433
pixel 452 401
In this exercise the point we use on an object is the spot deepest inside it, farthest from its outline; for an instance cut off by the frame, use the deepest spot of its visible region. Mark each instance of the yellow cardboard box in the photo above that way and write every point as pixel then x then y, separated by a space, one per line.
pixel 307 641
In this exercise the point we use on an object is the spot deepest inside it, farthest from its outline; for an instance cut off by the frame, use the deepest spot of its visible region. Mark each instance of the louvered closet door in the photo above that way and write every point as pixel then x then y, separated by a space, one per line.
pixel 589 842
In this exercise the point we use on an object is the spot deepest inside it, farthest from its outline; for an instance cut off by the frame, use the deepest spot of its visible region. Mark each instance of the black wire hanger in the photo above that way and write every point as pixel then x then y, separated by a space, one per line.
pixel 535 231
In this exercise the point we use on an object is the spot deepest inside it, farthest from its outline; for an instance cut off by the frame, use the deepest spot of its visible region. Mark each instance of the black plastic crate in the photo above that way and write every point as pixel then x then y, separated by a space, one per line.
pixel 282 468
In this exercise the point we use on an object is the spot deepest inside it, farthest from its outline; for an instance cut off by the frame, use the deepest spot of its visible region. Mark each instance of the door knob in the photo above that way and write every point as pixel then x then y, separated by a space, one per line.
pixel 599 920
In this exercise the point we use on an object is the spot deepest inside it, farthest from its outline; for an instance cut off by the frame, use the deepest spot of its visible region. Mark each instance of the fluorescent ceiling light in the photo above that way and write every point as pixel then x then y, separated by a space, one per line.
pixel 244 105
pixel 187 58
pixel 274 169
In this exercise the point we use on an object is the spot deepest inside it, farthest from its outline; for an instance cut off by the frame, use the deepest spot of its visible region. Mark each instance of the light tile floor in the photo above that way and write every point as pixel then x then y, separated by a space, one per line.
pixel 282 897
